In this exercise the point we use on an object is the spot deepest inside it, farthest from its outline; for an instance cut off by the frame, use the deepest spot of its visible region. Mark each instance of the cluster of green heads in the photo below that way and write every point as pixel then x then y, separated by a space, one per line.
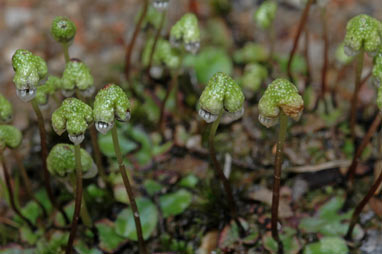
pixel 364 34
pixel 223 95
pixel 74 116
pixel 31 70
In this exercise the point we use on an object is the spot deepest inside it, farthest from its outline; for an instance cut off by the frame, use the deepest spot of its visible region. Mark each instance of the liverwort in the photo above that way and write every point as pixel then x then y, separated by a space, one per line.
pixel 112 103
pixel 74 116
pixel 221 96
pixel 186 33
pixel 77 77
pixel 363 34
pixel 29 71
pixel 10 137
pixel 279 101
pixel 63 31
pixel 5 110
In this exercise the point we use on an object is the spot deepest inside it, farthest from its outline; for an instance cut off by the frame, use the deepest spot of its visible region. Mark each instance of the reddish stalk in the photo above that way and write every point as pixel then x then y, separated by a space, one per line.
pixel 157 34
pixel 78 200
pixel 27 183
pixel 361 206
pixel 354 101
pixel 130 47
pixel 307 59
pixel 300 28
pixel 365 141
pixel 12 202
pixel 44 155
pixel 277 180
pixel 324 81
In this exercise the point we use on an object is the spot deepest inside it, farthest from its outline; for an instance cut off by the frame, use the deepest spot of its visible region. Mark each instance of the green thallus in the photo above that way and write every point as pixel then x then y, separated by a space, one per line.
pixel 377 72
pixel 221 94
pixel 77 76
pixel 5 110
pixel 160 5
pixel 363 33
pixel 74 116
pixel 254 75
pixel 110 102
pixel 280 95
pixel 186 32
pixel 63 29
pixel 164 55
pixel 29 70
pixel 265 14
pixel 9 137
pixel 61 162
pixel 48 89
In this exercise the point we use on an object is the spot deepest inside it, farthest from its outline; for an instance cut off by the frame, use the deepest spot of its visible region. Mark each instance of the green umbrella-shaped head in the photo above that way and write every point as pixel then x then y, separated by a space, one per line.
pixel 63 29
pixel 5 110
pixel 265 14
pixel 110 102
pixel 160 5
pixel 49 88
pixel 281 94
pixel 73 116
pixel 377 70
pixel 221 94
pixel 61 161
pixel 77 76
pixel 254 75
pixel 186 31
pixel 363 33
pixel 29 70
pixel 10 137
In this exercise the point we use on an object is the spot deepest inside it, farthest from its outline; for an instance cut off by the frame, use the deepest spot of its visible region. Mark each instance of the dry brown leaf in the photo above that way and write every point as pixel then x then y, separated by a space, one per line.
pixel 264 195
pixel 209 242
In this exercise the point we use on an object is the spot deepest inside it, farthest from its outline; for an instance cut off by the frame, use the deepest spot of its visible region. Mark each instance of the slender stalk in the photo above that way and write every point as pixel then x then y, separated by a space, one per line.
pixel 307 59
pixel 27 183
pixel 218 169
pixel 130 193
pixel 157 35
pixel 44 155
pixel 362 205
pixel 65 48
pixel 277 178
pixel 78 199
pixel 84 213
pixel 12 202
pixel 365 141
pixel 301 25
pixel 271 38
pixel 324 81
pixel 354 101
pixel 173 87
pixel 130 47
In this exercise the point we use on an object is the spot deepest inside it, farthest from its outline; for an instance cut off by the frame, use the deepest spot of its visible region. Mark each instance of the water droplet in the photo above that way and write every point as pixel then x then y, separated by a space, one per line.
pixel 77 139
pixel 136 214
pixel 207 116
pixel 349 51
pixel 268 121
pixel 103 127
pixel 91 172
pixel 26 94
pixel 192 47
pixel 156 72
pixel 232 116
pixel 160 5
pixel 88 92
pixel 67 93
pixel 127 117
pixel 375 81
